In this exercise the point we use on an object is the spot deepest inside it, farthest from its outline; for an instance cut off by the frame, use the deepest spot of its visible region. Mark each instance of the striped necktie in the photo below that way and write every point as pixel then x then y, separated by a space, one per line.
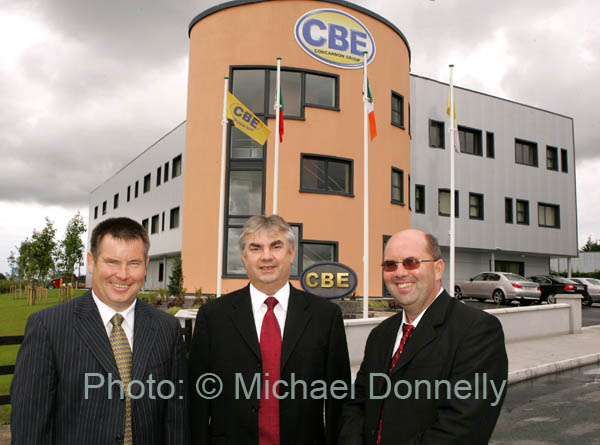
pixel 124 360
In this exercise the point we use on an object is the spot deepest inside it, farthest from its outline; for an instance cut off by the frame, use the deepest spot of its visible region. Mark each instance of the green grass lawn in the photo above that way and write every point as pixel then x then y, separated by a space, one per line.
pixel 13 317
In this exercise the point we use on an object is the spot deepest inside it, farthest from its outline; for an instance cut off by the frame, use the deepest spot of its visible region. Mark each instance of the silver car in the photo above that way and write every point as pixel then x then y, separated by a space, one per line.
pixel 499 286
pixel 593 289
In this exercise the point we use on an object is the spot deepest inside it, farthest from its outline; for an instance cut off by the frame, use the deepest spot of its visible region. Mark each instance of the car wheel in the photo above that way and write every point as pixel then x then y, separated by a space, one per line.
pixel 498 296
pixel 50 286
pixel 586 301
pixel 458 293
pixel 551 299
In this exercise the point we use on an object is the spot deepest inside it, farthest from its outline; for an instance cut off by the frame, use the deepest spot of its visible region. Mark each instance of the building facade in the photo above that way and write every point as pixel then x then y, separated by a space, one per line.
pixel 515 177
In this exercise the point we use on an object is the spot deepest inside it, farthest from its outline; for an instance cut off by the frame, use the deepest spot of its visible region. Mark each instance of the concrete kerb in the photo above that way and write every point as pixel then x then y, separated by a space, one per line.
pixel 552 368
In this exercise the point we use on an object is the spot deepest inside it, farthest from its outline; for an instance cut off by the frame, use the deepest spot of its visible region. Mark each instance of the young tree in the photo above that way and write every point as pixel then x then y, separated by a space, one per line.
pixel 43 244
pixel 71 247
pixel 25 261
pixel 591 246
pixel 12 263
pixel 176 278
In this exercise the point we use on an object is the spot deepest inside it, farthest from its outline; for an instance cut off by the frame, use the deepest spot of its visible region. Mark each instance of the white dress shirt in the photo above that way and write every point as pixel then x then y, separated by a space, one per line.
pixel 107 313
pixel 415 322
pixel 259 308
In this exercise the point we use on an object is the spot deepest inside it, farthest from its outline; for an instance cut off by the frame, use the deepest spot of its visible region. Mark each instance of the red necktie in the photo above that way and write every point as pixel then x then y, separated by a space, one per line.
pixel 270 352
pixel 407 330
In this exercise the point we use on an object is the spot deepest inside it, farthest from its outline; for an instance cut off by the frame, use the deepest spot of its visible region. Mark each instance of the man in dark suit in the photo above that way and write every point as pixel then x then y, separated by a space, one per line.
pixel 76 364
pixel 268 332
pixel 434 373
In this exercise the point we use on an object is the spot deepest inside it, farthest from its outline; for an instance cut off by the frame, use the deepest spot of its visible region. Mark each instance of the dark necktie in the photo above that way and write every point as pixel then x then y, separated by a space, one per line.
pixel 124 360
pixel 270 352
pixel 407 330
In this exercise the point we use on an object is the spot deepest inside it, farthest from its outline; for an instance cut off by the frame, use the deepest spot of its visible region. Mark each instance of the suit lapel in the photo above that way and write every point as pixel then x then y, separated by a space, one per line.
pixel 243 319
pixel 426 331
pixel 144 338
pixel 296 320
pixel 88 325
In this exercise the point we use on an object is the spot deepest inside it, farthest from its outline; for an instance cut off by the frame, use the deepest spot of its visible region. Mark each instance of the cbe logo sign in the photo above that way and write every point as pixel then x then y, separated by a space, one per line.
pixel 335 37
pixel 329 280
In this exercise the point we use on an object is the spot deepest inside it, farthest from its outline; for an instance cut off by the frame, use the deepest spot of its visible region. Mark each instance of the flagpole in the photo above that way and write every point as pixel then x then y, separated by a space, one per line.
pixel 452 186
pixel 365 192
pixel 222 190
pixel 276 164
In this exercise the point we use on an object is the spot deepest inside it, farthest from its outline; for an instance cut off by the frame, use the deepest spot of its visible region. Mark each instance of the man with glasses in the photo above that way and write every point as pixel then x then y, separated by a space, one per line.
pixel 434 373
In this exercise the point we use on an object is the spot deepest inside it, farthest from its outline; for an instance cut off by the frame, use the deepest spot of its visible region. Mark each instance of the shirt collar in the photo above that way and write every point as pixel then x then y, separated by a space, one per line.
pixel 258 298
pixel 416 321
pixel 107 312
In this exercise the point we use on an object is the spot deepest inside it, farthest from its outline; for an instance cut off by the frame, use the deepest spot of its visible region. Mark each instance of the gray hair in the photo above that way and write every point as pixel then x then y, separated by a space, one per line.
pixel 262 223
pixel 433 246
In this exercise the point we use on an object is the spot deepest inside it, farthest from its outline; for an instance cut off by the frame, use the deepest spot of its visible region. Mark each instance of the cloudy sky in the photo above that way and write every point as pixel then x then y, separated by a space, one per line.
pixel 86 85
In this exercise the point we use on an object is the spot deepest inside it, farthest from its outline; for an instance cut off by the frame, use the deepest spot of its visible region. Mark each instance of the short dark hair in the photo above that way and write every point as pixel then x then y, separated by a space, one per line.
pixel 433 246
pixel 273 223
pixel 119 228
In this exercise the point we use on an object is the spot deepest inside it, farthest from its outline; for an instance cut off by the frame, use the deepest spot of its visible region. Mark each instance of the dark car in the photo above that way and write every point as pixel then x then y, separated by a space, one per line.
pixel 550 285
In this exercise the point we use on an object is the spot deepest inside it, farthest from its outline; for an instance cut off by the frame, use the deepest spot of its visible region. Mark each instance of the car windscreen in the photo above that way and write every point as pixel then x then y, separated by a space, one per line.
pixel 515 277
pixel 561 280
pixel 594 281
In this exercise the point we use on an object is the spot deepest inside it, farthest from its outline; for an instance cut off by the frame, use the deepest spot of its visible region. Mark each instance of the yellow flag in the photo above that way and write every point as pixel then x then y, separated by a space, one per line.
pixel 448 108
pixel 245 120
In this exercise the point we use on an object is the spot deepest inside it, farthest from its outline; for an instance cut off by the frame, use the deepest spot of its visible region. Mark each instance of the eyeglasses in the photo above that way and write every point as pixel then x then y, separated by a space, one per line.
pixel 410 263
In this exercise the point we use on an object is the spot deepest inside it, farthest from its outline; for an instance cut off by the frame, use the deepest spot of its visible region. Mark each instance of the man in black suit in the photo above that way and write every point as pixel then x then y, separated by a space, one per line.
pixel 76 364
pixel 245 344
pixel 434 373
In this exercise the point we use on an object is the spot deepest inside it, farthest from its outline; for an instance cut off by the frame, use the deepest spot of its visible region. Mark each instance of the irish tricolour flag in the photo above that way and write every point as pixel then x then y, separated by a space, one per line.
pixel 371 111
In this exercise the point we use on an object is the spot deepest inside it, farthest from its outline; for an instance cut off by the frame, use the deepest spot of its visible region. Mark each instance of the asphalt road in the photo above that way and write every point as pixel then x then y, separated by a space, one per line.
pixel 555 409
pixel 590 314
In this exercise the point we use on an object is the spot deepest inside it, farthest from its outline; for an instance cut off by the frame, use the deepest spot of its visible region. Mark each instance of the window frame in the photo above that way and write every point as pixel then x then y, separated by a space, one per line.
pixel 137 189
pixel 556 208
pixel 96 212
pixel 417 187
pixel 303 242
pixel 171 219
pixel 399 172
pixel 116 201
pixel 508 207
pixel 154 221
pixel 177 162
pixel 490 152
pixel 147 183
pixel 327 159
pixel 104 207
pixel 527 217
pixel 477 138
pixel 442 128
pixel 480 206
pixel 456 206
pixel 158 175
pixel 397 98
pixel 564 160
pixel 551 149
pixel 531 144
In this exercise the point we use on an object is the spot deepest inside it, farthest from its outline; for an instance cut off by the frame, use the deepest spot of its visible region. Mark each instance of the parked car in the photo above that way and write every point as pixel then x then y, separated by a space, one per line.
pixel 499 286
pixel 553 284
pixel 592 292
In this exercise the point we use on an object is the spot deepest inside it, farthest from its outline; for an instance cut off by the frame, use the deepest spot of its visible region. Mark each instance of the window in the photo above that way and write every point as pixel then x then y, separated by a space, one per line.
pixel 174 220
pixel 128 193
pixel 137 189
pixel 176 166
pixel 158 176
pixel 314 252
pixel 320 91
pixel 397 186
pixel 444 202
pixel 508 210
pixel 564 166
pixel 522 212
pixel 161 272
pixel 397 110
pixel 489 145
pixel 475 206
pixel 116 201
pixel 243 146
pixel 245 192
pixel 145 224
pixel 470 140
pixel 147 183
pixel 96 212
pixel 154 224
pixel 548 215
pixel 166 177
pixel 163 222
pixel 408 192
pixel 526 153
pixel 325 174
pixel 291 87
pixel 436 134
pixel 419 198
pixel 104 208
pixel 551 158
pixel 516 267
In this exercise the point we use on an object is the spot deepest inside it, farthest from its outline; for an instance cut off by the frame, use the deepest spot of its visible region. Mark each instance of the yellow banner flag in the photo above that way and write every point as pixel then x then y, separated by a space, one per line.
pixel 245 120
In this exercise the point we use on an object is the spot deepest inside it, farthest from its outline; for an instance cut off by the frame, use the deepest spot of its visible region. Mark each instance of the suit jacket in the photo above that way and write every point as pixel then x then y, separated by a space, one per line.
pixel 65 342
pixel 454 346
pixel 226 344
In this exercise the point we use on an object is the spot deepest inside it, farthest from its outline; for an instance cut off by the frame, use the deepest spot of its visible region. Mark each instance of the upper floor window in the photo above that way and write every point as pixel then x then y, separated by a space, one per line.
pixel 419 198
pixel 174 218
pixel 176 166
pixel 147 183
pixel 470 140
pixel 104 208
pixel 96 212
pixel 154 224
pixel 158 176
pixel 475 206
pixel 522 212
pixel 320 91
pixel 128 193
pixel 145 224
pixel 436 134
pixel 508 210
pixel 166 177
pixel 326 174
pixel 397 109
pixel 548 215
pixel 564 165
pixel 116 201
pixel 551 158
pixel 489 145
pixel 526 153
pixel 137 189
pixel 444 202
pixel 397 186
